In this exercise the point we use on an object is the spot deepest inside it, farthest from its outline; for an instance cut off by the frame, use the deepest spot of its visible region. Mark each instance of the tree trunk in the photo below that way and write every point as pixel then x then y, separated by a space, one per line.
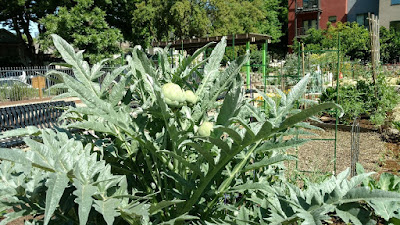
pixel 30 44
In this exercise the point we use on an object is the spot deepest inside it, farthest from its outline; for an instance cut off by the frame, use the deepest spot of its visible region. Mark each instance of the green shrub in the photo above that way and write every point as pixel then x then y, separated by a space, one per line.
pixel 17 92
pixel 360 100
pixel 153 164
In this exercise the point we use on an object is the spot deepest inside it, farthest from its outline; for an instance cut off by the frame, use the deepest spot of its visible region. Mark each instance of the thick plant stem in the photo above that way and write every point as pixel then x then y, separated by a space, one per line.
pixel 224 186
pixel 207 179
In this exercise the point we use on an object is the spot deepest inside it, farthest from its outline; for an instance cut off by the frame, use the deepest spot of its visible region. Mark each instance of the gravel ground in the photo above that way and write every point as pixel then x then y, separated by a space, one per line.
pixel 318 156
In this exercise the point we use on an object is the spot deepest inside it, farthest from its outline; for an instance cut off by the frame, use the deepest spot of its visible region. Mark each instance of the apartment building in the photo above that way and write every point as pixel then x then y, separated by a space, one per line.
pixel 389 13
pixel 358 10
pixel 307 14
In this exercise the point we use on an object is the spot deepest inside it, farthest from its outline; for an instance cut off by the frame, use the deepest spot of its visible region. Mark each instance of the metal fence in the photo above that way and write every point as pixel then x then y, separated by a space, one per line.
pixel 16 82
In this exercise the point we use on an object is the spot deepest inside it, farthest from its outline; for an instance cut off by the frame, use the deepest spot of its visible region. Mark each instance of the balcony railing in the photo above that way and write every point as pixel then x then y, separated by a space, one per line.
pixel 307 6
pixel 303 30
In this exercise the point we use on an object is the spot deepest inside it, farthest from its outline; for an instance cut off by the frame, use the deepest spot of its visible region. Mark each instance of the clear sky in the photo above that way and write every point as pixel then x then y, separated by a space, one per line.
pixel 33 29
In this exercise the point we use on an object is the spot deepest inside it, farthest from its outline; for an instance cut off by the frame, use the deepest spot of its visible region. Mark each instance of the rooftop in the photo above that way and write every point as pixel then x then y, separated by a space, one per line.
pixel 6 37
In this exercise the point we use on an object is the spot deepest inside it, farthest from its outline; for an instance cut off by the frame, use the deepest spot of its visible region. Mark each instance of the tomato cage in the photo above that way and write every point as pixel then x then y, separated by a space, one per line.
pixel 260 74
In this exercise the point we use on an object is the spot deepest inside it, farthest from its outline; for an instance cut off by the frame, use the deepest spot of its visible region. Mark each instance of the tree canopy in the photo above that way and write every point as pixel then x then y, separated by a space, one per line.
pixel 390 45
pixel 354 39
pixel 97 25
pixel 83 25
pixel 18 15
pixel 158 20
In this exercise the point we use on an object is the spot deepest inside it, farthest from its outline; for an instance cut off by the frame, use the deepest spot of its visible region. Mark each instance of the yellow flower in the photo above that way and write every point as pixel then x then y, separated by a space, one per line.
pixel 271 95
pixel 259 98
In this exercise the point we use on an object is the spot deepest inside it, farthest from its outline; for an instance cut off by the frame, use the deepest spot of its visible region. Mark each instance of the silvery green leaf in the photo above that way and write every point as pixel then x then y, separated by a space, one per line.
pixel 56 184
pixel 108 209
pixel 84 199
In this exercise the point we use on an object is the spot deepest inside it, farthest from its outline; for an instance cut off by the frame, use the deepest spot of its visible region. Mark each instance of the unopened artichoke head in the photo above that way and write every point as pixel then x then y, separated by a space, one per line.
pixel 191 98
pixel 205 129
pixel 174 96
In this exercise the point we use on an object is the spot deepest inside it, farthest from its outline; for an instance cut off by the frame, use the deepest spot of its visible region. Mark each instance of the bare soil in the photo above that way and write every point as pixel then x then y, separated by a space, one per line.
pixel 374 154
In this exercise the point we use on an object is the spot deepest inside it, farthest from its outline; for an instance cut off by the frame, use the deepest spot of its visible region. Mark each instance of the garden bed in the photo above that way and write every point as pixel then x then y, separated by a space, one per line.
pixel 317 156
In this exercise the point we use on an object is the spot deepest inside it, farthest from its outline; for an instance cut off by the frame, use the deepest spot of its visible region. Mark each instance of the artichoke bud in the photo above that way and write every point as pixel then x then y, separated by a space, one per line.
pixel 190 97
pixel 205 129
pixel 174 96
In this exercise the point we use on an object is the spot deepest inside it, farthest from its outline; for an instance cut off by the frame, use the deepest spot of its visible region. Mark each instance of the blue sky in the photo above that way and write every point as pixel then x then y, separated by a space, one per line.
pixel 33 29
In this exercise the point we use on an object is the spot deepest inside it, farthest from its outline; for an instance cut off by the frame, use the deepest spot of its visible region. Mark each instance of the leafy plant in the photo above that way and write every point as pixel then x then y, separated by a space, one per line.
pixel 139 159
pixel 317 203
pixel 360 99
pixel 390 211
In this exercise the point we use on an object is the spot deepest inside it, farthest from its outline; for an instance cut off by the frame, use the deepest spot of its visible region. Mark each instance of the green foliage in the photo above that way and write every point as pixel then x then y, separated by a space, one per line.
pixel 360 99
pixel 146 21
pixel 354 39
pixel 315 204
pixel 389 210
pixel 139 161
pixel 17 92
pixel 54 175
pixel 390 45
pixel 19 15
pixel 83 25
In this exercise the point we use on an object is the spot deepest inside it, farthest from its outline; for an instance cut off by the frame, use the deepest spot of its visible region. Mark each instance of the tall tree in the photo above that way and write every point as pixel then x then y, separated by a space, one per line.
pixel 354 39
pixel 18 15
pixel 390 45
pixel 83 25
pixel 156 20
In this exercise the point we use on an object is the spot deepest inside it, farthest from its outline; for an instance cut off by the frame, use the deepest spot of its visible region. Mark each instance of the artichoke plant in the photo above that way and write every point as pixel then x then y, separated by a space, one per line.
pixel 137 154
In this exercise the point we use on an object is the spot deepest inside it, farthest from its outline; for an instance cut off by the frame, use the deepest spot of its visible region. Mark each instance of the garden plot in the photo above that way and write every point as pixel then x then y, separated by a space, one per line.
pixel 317 156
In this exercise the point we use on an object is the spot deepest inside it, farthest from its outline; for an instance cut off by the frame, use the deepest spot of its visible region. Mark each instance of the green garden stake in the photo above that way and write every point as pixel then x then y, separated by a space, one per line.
pixel 248 66
pixel 337 102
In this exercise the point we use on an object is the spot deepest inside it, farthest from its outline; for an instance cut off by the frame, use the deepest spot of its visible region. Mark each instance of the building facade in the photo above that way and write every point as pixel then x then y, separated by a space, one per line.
pixel 12 51
pixel 358 10
pixel 307 14
pixel 389 14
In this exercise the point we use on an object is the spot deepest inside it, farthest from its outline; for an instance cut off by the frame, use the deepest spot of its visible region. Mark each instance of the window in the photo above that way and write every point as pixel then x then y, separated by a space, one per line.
pixel 332 19
pixel 362 19
pixel 395 2
pixel 395 25
pixel 308 4
pixel 308 24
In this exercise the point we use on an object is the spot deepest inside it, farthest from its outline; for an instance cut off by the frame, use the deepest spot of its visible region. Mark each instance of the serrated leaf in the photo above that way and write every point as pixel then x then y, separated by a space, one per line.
pixel 9 217
pixel 348 217
pixel 228 109
pixel 299 117
pixel 211 69
pixel 84 199
pixel 92 125
pixel 364 194
pixel 265 131
pixel 56 184
pixel 268 146
pixel 157 207
pixel 108 209
pixel 189 165
pixel 30 130
pixel 267 161
pixel 385 209
pixel 180 218
pixel 298 90
pixel 118 91
pixel 110 77
pixel 232 133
